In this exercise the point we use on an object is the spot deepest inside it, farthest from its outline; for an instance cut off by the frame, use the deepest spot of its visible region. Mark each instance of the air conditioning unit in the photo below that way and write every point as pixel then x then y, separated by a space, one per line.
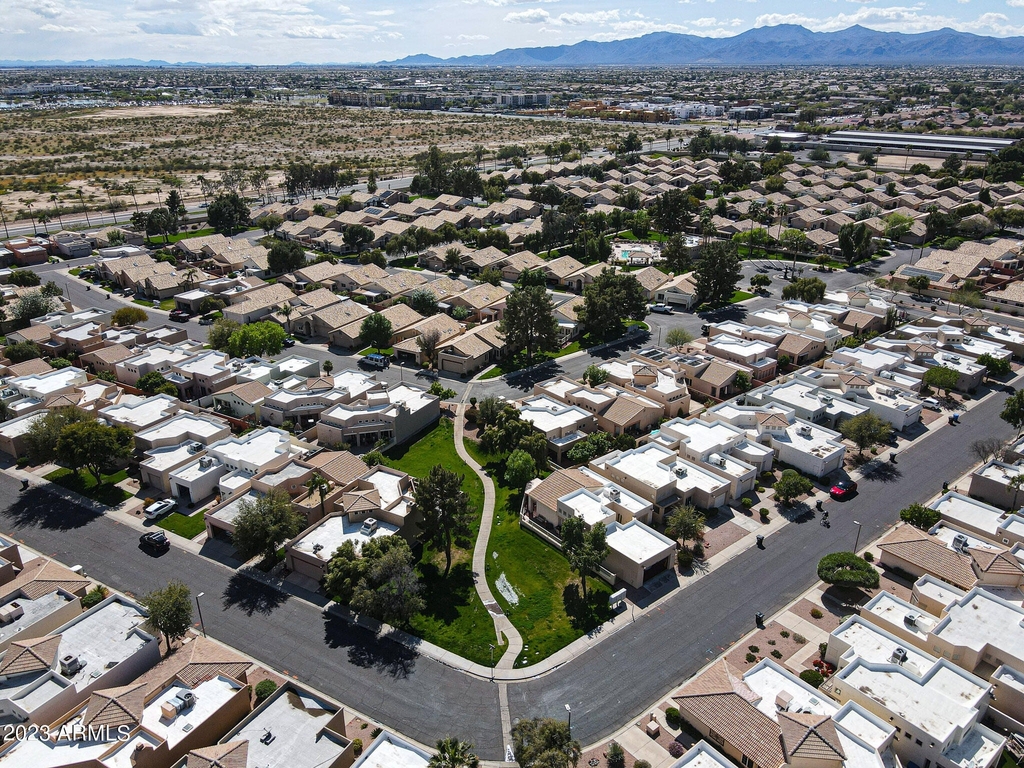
pixel 804 429
pixel 680 471
pixel 613 493
pixel 911 619
pixel 886 375
pixel 69 665
pixel 195 447
pixel 960 542
pixel 953 358
pixel 169 709
pixel 899 655
pixel 369 527
pixel 718 461
pixel 205 463
pixel 826 399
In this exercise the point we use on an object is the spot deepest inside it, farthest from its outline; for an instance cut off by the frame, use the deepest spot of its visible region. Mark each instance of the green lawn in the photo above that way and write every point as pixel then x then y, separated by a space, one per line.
pixel 739 296
pixel 372 350
pixel 188 526
pixel 455 617
pixel 541 576
pixel 166 305
pixel 518 362
pixel 84 483
pixel 159 240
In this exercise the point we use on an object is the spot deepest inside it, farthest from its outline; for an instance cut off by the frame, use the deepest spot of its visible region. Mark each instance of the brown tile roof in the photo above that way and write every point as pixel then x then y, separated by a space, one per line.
pixel 809 736
pixel 795 343
pixel 41 577
pixel 28 367
pixel 340 466
pixel 995 561
pixel 481 296
pixel 918 548
pixel 721 701
pixel 234 754
pixel 562 266
pixel 772 419
pixel 467 345
pixel 248 391
pixel 558 484
pixel 195 663
pixel 361 501
pixel 623 411
pixel 854 379
pixel 34 655
pixel 115 353
pixel 318 299
pixel 718 373
pixel 401 316
pixel 115 707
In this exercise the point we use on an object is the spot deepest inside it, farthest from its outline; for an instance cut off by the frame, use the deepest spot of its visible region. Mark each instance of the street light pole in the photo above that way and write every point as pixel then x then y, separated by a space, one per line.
pixel 857 542
pixel 569 710
pixel 492 660
pixel 201 624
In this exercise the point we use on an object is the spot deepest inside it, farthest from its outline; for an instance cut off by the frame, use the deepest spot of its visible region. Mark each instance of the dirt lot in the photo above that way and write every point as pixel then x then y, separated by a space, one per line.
pixel 156 147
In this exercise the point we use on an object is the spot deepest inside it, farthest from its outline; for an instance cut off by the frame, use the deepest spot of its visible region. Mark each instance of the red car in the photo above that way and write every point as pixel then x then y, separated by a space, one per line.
pixel 844 489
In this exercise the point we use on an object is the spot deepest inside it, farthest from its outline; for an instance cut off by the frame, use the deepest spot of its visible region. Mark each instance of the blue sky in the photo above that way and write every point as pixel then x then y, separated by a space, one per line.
pixel 317 31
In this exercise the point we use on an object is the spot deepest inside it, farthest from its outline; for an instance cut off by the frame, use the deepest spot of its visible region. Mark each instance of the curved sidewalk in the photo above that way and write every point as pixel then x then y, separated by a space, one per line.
pixel 502 625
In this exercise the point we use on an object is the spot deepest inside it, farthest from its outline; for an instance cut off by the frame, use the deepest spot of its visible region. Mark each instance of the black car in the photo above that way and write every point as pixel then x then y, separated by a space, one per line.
pixel 288 342
pixel 427 373
pixel 180 315
pixel 155 540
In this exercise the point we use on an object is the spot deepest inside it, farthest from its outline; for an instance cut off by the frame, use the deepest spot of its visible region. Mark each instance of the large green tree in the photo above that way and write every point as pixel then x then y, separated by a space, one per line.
pixel 170 611
pixel 389 589
pixel 808 289
pixel 790 485
pixel 584 549
pixel 845 569
pixel 264 524
pixel 608 301
pixel 129 316
pixel 444 508
pixel 344 570
pixel 257 339
pixel 95 446
pixel 854 242
pixel 528 322
pixel 865 430
pixel 717 273
pixel 685 522
pixel 672 212
pixel 220 333
pixel 545 743
pixel 376 331
pixel 286 256
pixel 1013 411
pixel 42 436
pixel 942 378
pixel 228 214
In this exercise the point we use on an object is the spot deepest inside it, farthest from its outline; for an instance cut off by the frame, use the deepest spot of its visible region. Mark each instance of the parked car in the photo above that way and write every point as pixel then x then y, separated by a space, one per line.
pixel 931 404
pixel 158 508
pixel 375 360
pixel 206 321
pixel 155 540
pixel 844 489
pixel 180 315
pixel 288 342
pixel 427 373
pixel 663 309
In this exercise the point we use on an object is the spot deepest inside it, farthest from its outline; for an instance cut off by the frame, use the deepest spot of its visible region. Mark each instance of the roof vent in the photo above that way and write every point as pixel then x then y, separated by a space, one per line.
pixel 911 619
pixel 899 655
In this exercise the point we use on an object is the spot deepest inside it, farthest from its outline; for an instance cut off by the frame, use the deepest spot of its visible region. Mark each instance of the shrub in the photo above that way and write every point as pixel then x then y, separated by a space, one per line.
pixel 758 488
pixel 357 745
pixel 672 717
pixel 22 462
pixel 376 732
pixel 822 649
pixel 616 756
pixel 641 764
pixel 685 559
pixel 747 502
pixel 264 689
pixel 799 639
pixel 751 658
pixel 845 569
pixel 93 597
pixel 763 511
pixel 812 677
pixel 753 649
pixel 676 749
pixel 771 642
pixel 777 653
pixel 920 516
pixel 816 613
pixel 698 551
pixel 784 633
pixel 869 557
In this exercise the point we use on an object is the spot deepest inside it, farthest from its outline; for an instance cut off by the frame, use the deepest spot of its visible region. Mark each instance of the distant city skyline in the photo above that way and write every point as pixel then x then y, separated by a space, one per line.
pixel 317 31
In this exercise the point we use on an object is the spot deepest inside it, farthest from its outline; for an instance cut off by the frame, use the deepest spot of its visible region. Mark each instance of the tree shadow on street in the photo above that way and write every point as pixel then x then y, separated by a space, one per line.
pixel 42 508
pixel 797 512
pixel 251 596
pixel 884 473
pixel 367 650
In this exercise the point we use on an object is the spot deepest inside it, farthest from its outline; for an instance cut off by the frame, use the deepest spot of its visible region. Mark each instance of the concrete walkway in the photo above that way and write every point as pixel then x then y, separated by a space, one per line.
pixel 502 625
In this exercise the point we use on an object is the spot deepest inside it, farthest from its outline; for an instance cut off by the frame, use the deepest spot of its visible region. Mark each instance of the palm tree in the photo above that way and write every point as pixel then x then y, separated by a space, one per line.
pixel 28 204
pixel 113 208
pixel 81 200
pixel 203 187
pixel 130 189
pixel 190 276
pixel 318 484
pixel 286 310
pixel 328 366
pixel 7 235
pixel 452 753
pixel 56 207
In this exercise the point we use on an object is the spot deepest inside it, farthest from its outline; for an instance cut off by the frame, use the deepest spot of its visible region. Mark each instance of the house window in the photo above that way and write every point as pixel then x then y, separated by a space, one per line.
pixel 715 736
pixel 918 742
pixel 747 762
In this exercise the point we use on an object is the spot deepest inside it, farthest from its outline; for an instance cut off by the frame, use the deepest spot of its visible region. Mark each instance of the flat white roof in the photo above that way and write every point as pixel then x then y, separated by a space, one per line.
pixel 871 643
pixel 768 680
pixel 335 531
pixel 389 751
pixel 181 425
pixel 142 413
pixel 210 696
pixel 637 542
pixel 702 755
pixel 895 611
pixel 167 457
pixel 254 449
pixel 980 619
pixel 388 485
pixel 107 633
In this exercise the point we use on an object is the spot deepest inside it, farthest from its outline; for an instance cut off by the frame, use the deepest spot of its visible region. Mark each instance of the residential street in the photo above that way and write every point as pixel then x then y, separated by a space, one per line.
pixel 424 699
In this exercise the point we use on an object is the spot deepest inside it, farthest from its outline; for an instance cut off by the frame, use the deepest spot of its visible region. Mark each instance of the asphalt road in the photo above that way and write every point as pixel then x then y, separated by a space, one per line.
pixel 609 685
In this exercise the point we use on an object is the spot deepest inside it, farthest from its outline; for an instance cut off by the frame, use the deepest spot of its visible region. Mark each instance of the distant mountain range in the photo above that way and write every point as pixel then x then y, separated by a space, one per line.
pixel 786 44
pixel 779 45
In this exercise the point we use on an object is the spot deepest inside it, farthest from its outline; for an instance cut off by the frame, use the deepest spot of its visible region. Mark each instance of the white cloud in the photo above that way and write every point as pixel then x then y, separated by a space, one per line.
pixel 385 12
pixel 895 19
pixel 330 32
pixel 595 17
pixel 711 21
pixel 532 16
pixel 46 8
pixel 473 37
pixel 1015 3
pixel 61 28
pixel 169 28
